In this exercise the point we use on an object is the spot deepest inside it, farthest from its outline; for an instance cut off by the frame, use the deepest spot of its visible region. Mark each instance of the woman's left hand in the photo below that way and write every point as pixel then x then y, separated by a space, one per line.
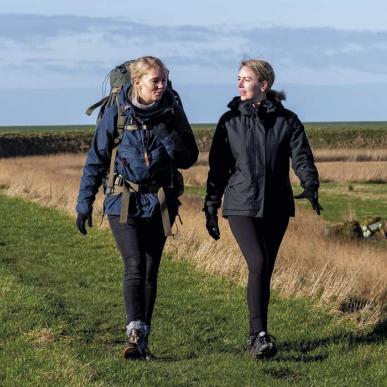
pixel 312 196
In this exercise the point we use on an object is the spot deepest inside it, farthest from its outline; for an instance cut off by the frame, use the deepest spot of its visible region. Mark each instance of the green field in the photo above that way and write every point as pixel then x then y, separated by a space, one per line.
pixel 63 320
pixel 46 128
pixel 361 125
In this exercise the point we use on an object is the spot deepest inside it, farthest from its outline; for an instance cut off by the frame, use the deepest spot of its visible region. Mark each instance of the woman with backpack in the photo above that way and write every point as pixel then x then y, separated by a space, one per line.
pixel 138 145
pixel 249 164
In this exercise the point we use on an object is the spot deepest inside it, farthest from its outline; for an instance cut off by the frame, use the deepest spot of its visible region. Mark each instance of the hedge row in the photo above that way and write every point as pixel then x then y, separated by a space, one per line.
pixel 27 144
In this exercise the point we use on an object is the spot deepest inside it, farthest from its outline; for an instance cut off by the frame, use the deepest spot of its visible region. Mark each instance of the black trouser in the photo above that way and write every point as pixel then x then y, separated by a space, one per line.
pixel 259 241
pixel 141 243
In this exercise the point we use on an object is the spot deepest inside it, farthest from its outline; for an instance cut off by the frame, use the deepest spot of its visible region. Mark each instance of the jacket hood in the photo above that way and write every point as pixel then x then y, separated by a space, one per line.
pixel 268 105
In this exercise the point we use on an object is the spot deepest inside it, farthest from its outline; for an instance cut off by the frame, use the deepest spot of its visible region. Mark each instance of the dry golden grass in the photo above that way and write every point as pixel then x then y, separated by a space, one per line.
pixel 348 171
pixel 323 155
pixel 52 180
pixel 345 275
pixel 371 171
pixel 41 336
pixel 375 154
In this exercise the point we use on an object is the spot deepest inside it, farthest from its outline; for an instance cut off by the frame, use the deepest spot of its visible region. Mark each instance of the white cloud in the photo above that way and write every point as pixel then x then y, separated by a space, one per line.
pixel 68 51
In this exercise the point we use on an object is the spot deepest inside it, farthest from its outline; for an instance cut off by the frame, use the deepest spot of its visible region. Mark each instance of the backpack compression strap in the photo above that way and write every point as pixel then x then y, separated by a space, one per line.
pixel 97 104
pixel 104 101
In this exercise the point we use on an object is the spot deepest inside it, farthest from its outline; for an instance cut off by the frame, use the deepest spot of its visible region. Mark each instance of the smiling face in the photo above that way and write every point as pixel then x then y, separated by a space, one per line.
pixel 250 87
pixel 151 85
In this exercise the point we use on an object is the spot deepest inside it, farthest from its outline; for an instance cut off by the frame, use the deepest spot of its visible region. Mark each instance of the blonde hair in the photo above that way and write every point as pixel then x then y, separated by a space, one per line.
pixel 141 66
pixel 264 72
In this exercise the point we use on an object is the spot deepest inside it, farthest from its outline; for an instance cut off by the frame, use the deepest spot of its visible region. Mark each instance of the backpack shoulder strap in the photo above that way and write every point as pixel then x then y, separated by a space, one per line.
pixel 121 120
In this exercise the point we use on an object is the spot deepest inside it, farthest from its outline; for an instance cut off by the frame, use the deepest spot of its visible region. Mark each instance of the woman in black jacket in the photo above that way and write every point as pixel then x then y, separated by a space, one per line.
pixel 142 184
pixel 249 164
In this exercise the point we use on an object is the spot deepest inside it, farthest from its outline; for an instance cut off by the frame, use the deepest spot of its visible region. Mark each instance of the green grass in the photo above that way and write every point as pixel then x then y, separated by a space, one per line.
pixel 344 201
pixel 339 125
pixel 46 128
pixel 198 126
pixel 34 129
pixel 325 134
pixel 62 320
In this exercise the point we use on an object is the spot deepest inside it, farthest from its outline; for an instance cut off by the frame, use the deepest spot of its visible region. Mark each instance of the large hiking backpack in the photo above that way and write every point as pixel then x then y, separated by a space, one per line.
pixel 119 76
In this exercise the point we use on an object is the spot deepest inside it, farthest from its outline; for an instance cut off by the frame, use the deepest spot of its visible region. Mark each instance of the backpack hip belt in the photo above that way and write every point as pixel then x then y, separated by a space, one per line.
pixel 126 188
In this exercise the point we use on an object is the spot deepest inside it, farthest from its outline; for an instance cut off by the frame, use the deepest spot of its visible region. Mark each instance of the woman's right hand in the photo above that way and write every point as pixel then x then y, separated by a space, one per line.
pixel 81 221
pixel 212 222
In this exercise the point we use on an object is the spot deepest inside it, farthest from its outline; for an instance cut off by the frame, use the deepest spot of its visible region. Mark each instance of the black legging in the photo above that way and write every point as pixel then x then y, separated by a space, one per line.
pixel 141 243
pixel 259 241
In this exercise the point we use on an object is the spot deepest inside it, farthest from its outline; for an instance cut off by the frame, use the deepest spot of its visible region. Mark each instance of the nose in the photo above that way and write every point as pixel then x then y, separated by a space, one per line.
pixel 161 84
pixel 240 83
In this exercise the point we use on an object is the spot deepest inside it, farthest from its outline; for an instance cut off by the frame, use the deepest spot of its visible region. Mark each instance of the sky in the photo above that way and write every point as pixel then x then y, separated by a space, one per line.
pixel 329 56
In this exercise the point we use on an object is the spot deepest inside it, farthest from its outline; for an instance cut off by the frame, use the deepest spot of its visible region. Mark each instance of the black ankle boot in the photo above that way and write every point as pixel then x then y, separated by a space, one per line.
pixel 262 346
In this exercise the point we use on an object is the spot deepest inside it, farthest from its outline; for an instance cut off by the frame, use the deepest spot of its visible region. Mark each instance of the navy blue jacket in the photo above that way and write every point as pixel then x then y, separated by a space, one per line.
pixel 168 140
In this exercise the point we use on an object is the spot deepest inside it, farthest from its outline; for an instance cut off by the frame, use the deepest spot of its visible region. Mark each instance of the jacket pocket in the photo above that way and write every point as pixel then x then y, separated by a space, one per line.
pixel 235 180
pixel 131 164
pixel 238 193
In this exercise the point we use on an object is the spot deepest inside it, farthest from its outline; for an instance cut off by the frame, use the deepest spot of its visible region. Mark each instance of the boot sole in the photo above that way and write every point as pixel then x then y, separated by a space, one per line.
pixel 267 354
pixel 135 355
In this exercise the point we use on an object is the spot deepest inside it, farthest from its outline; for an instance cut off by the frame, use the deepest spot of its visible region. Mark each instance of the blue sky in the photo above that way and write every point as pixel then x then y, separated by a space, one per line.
pixel 330 57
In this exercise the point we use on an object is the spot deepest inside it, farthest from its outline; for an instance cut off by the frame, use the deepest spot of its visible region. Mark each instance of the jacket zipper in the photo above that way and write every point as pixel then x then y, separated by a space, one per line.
pixel 254 150
pixel 145 145
pixel 263 182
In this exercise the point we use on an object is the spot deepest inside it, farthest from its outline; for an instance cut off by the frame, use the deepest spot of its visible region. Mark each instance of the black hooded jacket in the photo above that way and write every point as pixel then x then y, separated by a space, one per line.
pixel 250 156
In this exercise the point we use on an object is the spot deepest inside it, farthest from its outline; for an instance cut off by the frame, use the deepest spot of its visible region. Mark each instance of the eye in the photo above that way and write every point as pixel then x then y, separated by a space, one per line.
pixel 155 81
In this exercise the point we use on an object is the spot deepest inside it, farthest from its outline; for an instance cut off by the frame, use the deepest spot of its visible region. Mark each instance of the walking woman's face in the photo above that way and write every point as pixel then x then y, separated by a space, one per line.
pixel 250 87
pixel 151 85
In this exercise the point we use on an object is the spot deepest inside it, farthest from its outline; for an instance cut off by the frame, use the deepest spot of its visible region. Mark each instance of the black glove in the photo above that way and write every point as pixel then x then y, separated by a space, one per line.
pixel 81 221
pixel 312 195
pixel 162 129
pixel 212 222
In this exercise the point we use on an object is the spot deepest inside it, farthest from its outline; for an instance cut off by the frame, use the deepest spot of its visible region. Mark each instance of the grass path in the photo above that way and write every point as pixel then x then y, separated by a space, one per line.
pixel 62 320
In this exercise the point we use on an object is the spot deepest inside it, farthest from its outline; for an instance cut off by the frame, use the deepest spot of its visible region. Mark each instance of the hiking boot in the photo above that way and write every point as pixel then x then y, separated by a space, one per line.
pixel 262 346
pixel 137 347
pixel 148 355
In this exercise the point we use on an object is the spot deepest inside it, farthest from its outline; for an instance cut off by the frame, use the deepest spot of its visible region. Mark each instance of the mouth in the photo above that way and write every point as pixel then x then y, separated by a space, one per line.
pixel 242 94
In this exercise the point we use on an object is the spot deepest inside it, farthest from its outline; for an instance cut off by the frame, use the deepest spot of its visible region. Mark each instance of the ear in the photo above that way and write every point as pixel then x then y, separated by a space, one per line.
pixel 264 86
pixel 137 82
